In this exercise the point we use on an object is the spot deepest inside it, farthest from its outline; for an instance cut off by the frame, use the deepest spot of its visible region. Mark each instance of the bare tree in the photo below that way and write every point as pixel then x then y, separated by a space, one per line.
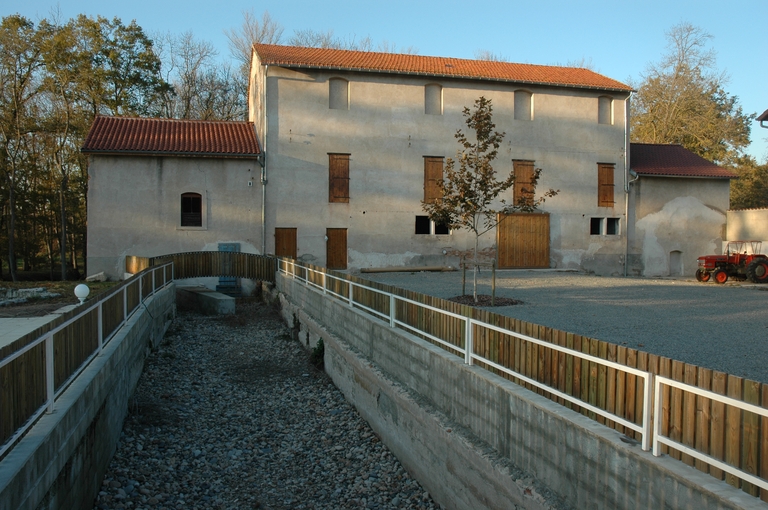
pixel 252 30
pixel 489 55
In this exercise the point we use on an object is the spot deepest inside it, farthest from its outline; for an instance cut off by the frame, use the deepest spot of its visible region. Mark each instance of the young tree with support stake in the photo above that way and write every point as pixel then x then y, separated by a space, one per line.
pixel 469 193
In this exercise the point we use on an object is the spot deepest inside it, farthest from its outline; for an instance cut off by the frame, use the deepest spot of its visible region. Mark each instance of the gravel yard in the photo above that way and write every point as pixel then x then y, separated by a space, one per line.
pixel 229 413
pixel 723 327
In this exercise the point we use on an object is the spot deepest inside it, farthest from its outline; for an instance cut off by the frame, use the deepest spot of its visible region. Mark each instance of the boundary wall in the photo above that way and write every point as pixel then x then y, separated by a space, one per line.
pixel 477 440
pixel 61 461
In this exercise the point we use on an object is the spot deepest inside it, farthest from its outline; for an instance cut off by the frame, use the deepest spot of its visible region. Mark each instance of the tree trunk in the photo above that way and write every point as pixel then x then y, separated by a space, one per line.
pixel 63 243
pixel 11 231
pixel 474 271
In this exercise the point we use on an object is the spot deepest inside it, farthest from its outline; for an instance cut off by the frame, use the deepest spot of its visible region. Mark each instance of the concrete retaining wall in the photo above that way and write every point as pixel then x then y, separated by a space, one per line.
pixel 61 462
pixel 476 440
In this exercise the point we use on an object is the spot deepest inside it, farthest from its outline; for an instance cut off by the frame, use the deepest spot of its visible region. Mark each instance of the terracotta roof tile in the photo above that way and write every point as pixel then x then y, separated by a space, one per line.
pixel 763 117
pixel 665 160
pixel 139 136
pixel 322 58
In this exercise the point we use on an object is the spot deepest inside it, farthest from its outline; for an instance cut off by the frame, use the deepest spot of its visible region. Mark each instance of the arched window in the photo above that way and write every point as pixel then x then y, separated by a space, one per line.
pixel 523 105
pixel 433 99
pixel 605 110
pixel 338 94
pixel 191 210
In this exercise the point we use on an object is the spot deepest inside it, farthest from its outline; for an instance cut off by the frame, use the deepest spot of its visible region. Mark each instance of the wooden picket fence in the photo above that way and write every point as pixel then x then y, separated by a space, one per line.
pixel 24 389
pixel 737 437
pixel 210 264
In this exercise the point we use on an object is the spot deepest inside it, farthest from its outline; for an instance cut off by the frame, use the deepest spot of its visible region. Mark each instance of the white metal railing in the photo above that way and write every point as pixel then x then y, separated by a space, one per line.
pixel 47 338
pixel 659 438
pixel 468 352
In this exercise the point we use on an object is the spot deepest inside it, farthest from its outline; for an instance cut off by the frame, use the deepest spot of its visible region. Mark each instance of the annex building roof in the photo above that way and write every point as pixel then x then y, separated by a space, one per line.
pixel 443 67
pixel 171 137
pixel 666 160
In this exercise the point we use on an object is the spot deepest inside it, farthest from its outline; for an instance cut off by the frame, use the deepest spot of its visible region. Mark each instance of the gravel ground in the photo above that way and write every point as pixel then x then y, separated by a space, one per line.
pixel 723 327
pixel 229 413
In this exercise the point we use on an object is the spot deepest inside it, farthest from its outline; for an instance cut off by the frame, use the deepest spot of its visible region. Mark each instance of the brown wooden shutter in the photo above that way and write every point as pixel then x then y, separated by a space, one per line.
pixel 338 178
pixel 524 187
pixel 285 242
pixel 433 172
pixel 336 248
pixel 605 185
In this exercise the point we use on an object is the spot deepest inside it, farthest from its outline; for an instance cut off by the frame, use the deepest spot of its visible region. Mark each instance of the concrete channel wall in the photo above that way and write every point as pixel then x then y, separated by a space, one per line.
pixel 466 434
pixel 61 462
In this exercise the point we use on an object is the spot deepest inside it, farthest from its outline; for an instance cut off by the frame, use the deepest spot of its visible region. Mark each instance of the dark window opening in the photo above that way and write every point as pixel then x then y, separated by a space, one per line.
pixel 191 210
pixel 612 228
pixel 595 226
pixel 441 229
pixel 422 225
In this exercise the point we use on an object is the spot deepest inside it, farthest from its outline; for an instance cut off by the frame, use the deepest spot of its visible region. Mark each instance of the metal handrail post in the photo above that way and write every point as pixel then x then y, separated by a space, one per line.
pixel 100 323
pixel 468 341
pixel 647 408
pixel 391 310
pixel 49 382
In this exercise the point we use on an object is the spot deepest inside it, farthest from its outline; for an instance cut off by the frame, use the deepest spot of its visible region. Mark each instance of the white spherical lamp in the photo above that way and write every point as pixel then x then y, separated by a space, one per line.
pixel 81 292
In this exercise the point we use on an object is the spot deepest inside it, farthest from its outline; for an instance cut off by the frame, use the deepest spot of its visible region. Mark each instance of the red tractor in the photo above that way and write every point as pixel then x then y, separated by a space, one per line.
pixel 742 260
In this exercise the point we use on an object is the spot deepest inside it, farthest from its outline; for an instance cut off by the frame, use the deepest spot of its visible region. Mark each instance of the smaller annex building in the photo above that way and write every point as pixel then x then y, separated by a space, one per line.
pixel 676 209
pixel 161 186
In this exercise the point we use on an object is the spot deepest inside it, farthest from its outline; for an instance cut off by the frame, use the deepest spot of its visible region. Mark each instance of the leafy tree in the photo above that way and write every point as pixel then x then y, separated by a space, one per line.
pixel 750 190
pixel 20 63
pixel 469 193
pixel 682 100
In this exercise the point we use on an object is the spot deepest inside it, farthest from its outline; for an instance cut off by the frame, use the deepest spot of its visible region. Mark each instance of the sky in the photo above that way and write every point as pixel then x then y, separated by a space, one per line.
pixel 616 38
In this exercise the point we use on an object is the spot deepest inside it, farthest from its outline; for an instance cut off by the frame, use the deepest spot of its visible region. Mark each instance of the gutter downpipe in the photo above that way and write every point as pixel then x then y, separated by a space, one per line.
pixel 264 168
pixel 626 183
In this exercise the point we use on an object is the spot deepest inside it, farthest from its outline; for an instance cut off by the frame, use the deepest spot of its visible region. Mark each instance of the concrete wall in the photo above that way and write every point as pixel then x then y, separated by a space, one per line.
pixel 61 462
pixel 388 133
pixel 672 218
pixel 476 440
pixel 747 225
pixel 134 207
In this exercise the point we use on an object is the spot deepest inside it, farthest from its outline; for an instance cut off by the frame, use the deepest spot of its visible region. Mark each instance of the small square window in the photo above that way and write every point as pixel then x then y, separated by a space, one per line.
pixel 422 225
pixel 596 226
pixel 612 227
pixel 442 230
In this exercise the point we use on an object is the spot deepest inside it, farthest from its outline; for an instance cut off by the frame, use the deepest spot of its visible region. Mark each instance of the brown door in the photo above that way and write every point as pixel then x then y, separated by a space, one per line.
pixel 523 240
pixel 285 242
pixel 336 248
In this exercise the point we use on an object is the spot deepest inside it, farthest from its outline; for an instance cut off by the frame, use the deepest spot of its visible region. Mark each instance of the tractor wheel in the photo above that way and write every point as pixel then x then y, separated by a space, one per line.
pixel 720 276
pixel 702 276
pixel 757 271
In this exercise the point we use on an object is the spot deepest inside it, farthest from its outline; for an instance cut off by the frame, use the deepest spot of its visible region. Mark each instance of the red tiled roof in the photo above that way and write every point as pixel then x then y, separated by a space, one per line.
pixel 763 117
pixel 322 58
pixel 149 137
pixel 665 160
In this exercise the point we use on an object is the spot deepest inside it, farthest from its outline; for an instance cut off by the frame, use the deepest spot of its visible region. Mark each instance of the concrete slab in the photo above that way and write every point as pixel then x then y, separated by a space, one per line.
pixel 13 328
pixel 204 300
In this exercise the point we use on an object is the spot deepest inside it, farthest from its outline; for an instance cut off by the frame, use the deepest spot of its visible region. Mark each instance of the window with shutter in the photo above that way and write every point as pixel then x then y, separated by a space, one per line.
pixel 338 178
pixel 524 189
pixel 605 185
pixel 433 173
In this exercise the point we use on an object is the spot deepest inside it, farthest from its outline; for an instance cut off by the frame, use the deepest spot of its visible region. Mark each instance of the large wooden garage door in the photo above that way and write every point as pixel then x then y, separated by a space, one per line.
pixel 336 248
pixel 523 240
pixel 285 242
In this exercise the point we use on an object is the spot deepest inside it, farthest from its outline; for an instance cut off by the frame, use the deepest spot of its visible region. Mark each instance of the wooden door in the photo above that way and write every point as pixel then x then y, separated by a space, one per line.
pixel 336 248
pixel 523 240
pixel 285 242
